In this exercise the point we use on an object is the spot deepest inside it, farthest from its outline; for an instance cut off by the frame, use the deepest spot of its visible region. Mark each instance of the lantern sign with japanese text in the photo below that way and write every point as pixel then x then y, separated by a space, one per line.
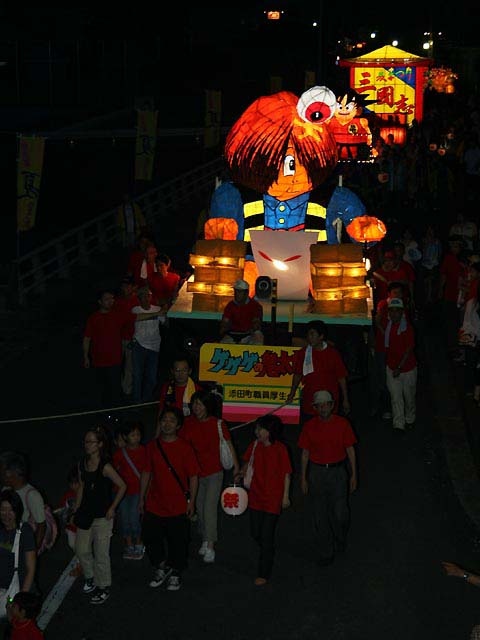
pixel 234 500
pixel 255 379
pixel 393 79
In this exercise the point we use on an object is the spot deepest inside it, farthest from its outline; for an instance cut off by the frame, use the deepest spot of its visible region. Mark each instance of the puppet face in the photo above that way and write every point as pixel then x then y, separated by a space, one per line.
pixel 346 111
pixel 292 179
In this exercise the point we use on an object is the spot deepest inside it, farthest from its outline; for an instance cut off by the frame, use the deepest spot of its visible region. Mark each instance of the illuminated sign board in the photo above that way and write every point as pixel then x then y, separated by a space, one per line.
pixel 255 379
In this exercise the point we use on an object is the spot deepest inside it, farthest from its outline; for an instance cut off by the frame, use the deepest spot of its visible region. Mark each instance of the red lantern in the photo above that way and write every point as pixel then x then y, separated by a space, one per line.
pixel 366 229
pixel 220 229
pixel 234 500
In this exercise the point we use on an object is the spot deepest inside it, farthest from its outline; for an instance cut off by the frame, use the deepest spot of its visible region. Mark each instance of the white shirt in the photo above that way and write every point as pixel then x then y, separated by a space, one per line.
pixel 147 332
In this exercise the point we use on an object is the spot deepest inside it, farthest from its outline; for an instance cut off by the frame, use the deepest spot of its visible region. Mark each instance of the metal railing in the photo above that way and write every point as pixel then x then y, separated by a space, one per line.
pixel 55 258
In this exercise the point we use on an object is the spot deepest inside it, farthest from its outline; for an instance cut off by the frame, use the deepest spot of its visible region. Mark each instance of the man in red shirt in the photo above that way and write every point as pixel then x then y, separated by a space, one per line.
pixel 168 490
pixel 104 333
pixel 242 318
pixel 327 441
pixel 390 270
pixel 401 366
pixel 164 284
pixel 379 393
pixel 102 347
pixel 318 366
pixel 178 391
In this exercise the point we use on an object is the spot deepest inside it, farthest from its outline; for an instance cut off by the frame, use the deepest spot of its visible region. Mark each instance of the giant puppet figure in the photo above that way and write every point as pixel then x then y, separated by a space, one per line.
pixel 282 148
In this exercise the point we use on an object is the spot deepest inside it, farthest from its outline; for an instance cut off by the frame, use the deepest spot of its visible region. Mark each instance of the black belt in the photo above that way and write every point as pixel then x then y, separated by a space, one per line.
pixel 330 464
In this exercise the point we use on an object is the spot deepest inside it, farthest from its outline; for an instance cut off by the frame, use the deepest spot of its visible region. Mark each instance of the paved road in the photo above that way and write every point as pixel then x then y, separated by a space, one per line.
pixel 413 508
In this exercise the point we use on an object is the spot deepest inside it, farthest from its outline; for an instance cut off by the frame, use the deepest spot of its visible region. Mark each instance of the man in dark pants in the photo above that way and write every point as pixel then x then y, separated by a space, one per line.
pixel 327 441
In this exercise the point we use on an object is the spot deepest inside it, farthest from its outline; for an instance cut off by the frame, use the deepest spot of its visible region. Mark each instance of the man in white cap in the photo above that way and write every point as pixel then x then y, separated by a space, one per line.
pixel 327 442
pixel 401 366
pixel 242 318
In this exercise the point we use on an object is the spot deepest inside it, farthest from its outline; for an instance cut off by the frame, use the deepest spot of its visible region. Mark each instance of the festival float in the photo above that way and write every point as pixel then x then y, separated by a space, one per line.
pixel 283 147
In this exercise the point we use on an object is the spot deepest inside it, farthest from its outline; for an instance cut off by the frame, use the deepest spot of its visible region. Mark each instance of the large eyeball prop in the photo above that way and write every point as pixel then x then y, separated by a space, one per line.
pixel 317 105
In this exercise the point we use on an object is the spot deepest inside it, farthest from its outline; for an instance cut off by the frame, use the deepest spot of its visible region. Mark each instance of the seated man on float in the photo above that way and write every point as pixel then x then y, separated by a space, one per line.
pixel 242 318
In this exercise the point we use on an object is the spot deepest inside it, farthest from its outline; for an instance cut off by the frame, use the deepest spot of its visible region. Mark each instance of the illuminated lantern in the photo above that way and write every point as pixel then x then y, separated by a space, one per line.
pixel 234 500
pixel 221 229
pixel 383 177
pixel 441 151
pixel 432 146
pixel 392 80
pixel 367 229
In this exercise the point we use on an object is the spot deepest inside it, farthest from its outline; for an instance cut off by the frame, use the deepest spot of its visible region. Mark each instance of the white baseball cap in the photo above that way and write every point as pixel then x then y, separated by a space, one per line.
pixel 395 303
pixel 241 285
pixel 319 397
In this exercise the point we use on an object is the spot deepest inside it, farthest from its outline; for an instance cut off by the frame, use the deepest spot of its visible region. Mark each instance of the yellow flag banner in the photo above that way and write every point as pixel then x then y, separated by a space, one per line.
pixel 213 117
pixel 145 144
pixel 29 175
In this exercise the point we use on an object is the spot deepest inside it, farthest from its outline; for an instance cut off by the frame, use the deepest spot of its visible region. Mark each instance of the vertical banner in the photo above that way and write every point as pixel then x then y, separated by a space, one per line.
pixel 309 79
pixel 29 175
pixel 145 144
pixel 276 83
pixel 213 116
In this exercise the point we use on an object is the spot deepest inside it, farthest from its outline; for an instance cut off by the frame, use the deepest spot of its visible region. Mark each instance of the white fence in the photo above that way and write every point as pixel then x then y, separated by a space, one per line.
pixel 55 258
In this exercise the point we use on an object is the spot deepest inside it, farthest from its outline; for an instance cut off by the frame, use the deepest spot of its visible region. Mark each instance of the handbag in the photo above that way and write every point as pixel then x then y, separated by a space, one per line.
pixel 226 457
pixel 6 595
pixel 247 478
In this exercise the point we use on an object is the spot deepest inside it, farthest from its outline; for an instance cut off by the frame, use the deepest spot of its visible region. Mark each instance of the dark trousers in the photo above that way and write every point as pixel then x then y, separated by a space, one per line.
pixel 167 539
pixel 262 530
pixel 109 380
pixel 145 370
pixel 328 494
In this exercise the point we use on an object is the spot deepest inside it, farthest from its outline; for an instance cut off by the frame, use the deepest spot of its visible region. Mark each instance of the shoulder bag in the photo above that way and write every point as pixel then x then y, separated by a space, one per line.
pixel 247 478
pixel 13 588
pixel 130 462
pixel 226 457
pixel 186 493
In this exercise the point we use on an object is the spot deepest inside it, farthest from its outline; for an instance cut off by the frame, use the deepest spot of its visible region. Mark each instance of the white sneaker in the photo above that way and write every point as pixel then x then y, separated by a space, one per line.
pixel 209 555
pixel 203 548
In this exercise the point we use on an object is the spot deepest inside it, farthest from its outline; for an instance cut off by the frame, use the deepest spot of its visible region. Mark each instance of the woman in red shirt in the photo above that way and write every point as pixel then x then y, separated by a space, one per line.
pixel 200 429
pixel 269 489
pixel 401 366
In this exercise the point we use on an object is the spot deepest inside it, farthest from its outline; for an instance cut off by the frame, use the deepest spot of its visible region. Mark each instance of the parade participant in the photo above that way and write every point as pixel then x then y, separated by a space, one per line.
pixel 94 514
pixel 318 365
pixel 22 614
pixel 201 431
pixel 11 513
pixel 163 283
pixel 242 318
pixel 146 345
pixel 168 490
pixel 327 441
pixel 178 391
pixel 269 490
pixel 128 461
pixel 401 364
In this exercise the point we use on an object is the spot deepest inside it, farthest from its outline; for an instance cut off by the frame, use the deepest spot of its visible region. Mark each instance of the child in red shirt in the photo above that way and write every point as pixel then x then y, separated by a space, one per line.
pixel 22 614
pixel 269 489
pixel 128 461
